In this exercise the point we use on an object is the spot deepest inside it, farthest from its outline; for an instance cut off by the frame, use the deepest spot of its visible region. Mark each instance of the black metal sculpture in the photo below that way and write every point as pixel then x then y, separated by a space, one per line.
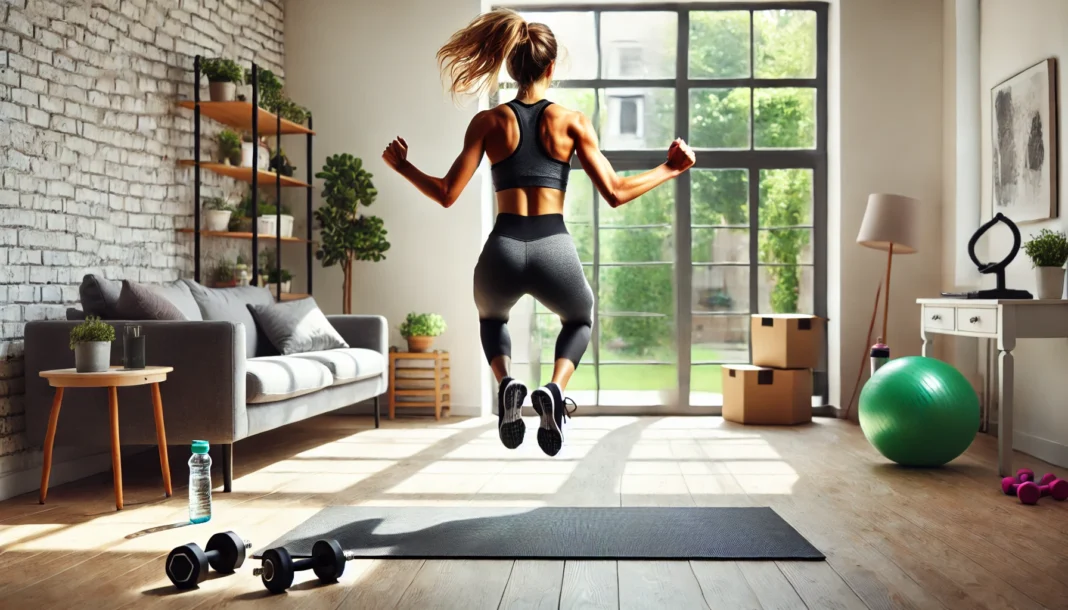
pixel 998 268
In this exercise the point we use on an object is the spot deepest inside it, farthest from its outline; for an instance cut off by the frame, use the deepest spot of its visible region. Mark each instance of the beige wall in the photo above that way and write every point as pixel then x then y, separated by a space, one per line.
pixel 1014 36
pixel 370 75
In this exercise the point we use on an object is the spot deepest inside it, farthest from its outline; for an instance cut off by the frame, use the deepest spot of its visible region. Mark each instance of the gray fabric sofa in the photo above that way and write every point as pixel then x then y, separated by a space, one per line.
pixel 218 392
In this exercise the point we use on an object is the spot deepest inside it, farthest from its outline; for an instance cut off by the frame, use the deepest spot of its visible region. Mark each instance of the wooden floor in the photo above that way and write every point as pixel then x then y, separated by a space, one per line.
pixel 894 538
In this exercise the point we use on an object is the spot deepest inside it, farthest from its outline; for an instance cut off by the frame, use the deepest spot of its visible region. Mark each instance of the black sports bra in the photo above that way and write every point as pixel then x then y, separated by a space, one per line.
pixel 530 164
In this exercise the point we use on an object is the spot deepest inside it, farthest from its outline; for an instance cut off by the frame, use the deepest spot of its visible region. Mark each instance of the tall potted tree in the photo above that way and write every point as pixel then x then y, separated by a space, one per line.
pixel 347 236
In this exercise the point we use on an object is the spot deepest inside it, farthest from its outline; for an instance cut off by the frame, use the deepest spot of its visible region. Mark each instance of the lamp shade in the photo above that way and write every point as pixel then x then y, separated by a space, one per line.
pixel 891 219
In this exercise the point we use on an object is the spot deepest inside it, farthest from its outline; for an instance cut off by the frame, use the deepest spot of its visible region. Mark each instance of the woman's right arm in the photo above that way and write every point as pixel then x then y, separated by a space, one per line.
pixel 617 189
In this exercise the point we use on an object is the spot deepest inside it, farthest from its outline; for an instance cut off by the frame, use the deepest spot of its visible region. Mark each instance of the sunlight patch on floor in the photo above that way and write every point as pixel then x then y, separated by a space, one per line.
pixel 312 465
pixel 524 484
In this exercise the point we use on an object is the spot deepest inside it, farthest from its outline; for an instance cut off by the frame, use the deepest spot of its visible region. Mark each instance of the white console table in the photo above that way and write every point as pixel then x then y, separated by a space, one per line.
pixel 1002 320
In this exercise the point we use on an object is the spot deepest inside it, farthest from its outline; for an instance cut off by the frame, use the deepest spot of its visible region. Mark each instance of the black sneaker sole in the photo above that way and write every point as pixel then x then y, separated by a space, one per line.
pixel 550 436
pixel 512 432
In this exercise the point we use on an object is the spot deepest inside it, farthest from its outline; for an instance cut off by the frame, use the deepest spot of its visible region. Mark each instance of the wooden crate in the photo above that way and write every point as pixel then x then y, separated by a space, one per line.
pixel 419 380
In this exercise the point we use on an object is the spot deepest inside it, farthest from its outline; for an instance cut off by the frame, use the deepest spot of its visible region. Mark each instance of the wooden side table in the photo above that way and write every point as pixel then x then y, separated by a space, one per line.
pixel 419 375
pixel 113 379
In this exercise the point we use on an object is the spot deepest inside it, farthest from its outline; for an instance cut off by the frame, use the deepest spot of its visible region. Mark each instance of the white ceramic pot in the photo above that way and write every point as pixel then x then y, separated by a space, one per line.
pixel 1050 282
pixel 92 356
pixel 222 92
pixel 264 160
pixel 287 225
pixel 265 225
pixel 274 288
pixel 217 220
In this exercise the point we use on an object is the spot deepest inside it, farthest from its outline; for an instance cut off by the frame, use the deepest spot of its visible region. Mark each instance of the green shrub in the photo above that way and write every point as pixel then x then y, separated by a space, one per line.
pixel 1048 249
pixel 278 275
pixel 92 329
pixel 422 325
pixel 220 70
pixel 230 146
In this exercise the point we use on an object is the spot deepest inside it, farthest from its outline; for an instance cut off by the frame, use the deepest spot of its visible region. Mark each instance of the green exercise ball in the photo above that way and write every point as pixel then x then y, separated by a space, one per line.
pixel 919 411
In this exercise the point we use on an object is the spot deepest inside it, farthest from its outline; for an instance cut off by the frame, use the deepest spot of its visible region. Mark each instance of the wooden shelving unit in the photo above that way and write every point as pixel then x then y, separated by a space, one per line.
pixel 419 380
pixel 245 174
pixel 247 116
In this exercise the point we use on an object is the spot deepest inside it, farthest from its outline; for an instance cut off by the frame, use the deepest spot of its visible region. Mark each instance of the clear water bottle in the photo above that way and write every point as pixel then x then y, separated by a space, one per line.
pixel 200 483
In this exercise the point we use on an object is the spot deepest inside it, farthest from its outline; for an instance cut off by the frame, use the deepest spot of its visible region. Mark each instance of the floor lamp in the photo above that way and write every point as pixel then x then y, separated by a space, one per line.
pixel 891 223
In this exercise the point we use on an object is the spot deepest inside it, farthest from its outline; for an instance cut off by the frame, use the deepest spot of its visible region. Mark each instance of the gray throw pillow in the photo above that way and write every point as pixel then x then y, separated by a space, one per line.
pixel 99 296
pixel 230 305
pixel 297 327
pixel 178 293
pixel 139 302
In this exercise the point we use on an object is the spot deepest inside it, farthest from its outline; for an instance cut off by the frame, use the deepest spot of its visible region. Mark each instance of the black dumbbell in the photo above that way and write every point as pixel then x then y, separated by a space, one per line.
pixel 187 565
pixel 278 568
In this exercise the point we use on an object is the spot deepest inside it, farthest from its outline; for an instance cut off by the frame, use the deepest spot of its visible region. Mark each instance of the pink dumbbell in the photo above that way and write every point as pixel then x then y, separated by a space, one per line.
pixel 1009 484
pixel 1029 492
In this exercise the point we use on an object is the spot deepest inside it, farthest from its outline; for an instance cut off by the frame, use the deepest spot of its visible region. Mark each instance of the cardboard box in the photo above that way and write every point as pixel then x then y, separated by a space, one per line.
pixel 787 340
pixel 761 395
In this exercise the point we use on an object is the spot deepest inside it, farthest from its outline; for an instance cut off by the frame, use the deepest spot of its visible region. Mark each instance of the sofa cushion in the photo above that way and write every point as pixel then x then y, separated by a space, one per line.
pixel 231 305
pixel 138 302
pixel 179 295
pixel 296 327
pixel 348 365
pixel 99 296
pixel 274 378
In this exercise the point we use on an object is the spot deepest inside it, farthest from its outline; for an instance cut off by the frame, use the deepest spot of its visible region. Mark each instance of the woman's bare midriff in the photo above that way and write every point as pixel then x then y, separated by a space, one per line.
pixel 532 201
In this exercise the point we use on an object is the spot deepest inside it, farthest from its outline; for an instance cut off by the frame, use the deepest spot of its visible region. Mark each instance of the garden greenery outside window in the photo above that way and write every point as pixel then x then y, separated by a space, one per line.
pixel 678 272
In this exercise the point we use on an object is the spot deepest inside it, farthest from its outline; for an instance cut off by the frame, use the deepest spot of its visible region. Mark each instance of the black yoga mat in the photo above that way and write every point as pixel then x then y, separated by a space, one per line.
pixel 552 533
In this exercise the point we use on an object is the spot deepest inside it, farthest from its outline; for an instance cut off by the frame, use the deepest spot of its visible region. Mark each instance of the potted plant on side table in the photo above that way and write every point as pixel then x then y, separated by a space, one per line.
pixel 420 329
pixel 1048 252
pixel 224 75
pixel 91 343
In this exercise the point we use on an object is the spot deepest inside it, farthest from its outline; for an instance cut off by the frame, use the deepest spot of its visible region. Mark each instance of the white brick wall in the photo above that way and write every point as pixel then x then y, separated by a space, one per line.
pixel 90 135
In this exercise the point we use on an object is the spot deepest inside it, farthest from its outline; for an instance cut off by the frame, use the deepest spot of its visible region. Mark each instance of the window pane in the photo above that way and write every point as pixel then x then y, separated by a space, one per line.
pixel 784 118
pixel 720 289
pixel 785 43
pixel 706 378
pixel 638 45
pixel 637 119
pixel 720 246
pixel 584 377
pixel 626 338
pixel 719 338
pixel 653 208
pixel 789 246
pixel 786 289
pixel 637 289
pixel 578 213
pixel 546 331
pixel 785 197
pixel 637 377
pixel 576 45
pixel 720 197
pixel 644 245
pixel 719 118
pixel 582 100
pixel 719 44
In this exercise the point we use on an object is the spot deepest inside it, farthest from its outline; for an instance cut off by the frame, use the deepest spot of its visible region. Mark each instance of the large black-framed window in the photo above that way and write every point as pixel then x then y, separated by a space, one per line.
pixel 678 273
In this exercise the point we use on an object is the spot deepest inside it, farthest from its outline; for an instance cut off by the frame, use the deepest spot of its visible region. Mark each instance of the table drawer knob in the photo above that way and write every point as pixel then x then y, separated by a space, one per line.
pixel 936 317
pixel 974 319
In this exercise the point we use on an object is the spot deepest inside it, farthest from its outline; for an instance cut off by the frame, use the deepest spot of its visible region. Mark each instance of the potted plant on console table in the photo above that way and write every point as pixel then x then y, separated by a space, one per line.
pixel 1048 252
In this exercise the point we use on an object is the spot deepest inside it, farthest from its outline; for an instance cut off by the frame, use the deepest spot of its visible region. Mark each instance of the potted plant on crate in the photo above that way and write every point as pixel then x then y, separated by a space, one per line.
pixel 1048 252
pixel 224 75
pixel 345 235
pixel 217 214
pixel 91 343
pixel 229 147
pixel 420 329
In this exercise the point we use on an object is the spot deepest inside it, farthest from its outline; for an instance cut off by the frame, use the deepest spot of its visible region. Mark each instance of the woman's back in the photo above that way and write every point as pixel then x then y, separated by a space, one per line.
pixel 552 148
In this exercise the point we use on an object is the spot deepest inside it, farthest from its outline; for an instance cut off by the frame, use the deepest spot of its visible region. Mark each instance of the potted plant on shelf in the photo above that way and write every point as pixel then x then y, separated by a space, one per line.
pixel 224 75
pixel 224 274
pixel 345 235
pixel 264 158
pixel 280 164
pixel 276 275
pixel 91 343
pixel 287 221
pixel 241 271
pixel 217 214
pixel 229 147
pixel 420 329
pixel 1048 252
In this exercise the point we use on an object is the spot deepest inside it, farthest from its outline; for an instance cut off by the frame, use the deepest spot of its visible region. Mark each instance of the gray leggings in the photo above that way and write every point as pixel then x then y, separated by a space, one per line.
pixel 532 255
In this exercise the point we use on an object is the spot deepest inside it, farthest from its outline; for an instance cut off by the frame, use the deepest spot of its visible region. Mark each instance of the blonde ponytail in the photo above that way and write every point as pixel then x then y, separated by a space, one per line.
pixel 473 57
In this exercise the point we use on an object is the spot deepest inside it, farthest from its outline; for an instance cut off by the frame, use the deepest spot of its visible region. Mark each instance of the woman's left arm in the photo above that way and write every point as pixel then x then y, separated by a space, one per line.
pixel 445 190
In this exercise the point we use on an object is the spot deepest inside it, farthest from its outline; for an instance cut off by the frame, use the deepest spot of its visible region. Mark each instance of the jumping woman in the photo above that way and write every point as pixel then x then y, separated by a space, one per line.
pixel 530 142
